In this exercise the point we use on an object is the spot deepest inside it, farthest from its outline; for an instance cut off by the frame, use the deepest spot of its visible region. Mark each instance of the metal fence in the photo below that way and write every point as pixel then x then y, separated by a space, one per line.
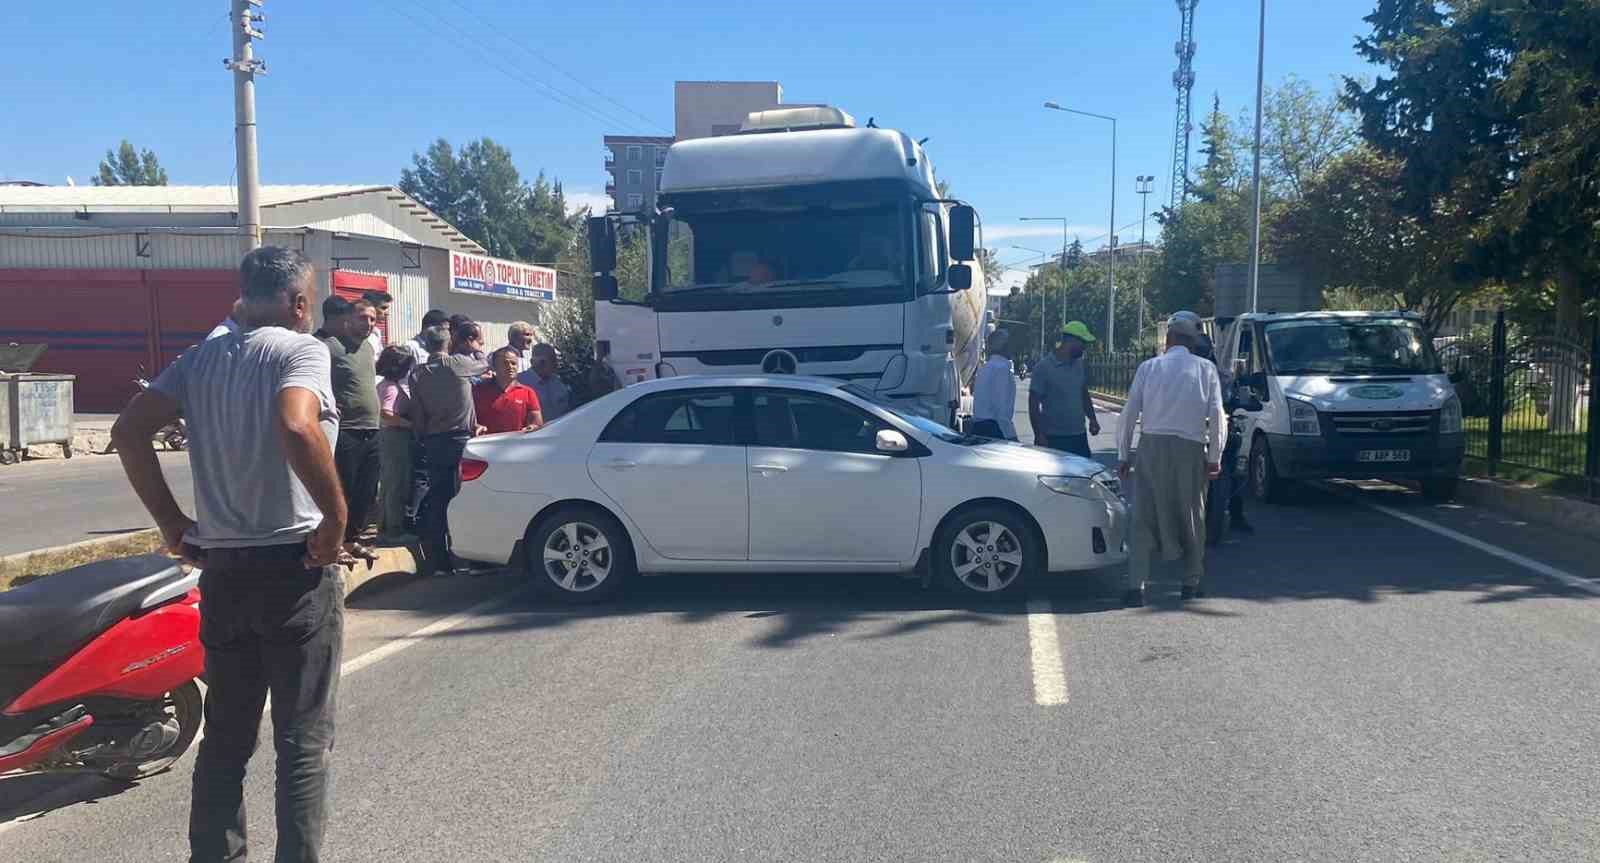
pixel 1529 401
pixel 1112 374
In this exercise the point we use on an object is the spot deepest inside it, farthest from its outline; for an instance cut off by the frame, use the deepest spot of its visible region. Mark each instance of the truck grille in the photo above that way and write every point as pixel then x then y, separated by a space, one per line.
pixel 1392 423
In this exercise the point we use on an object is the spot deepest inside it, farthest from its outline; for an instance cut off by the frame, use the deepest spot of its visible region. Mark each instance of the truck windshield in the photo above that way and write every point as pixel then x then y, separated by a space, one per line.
pixel 786 250
pixel 1350 346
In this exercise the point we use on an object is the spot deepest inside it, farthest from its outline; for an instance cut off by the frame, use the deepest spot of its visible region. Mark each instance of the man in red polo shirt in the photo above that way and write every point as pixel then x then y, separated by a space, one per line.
pixel 502 404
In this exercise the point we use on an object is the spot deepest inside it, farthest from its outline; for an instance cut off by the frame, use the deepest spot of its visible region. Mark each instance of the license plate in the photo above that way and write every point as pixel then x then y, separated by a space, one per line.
pixel 1384 455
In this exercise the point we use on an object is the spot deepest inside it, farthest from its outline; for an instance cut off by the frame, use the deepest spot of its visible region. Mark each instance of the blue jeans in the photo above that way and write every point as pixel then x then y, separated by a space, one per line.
pixel 443 454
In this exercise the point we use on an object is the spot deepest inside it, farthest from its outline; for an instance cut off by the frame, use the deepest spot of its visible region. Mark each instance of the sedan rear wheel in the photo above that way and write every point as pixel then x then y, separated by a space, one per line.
pixel 579 555
pixel 988 551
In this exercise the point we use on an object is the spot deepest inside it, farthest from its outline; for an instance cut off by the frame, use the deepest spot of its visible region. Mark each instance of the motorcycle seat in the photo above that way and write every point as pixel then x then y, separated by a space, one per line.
pixel 48 618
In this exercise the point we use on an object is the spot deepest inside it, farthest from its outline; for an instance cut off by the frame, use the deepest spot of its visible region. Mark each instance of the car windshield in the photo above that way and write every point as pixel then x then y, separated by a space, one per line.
pixel 788 249
pixel 1350 346
pixel 922 424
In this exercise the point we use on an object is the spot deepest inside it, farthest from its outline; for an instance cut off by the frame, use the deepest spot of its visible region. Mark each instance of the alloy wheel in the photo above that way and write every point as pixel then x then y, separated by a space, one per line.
pixel 986 556
pixel 577 557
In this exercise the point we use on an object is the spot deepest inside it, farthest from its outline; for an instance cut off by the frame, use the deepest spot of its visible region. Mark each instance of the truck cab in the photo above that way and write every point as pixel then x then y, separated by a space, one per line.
pixel 801 244
pixel 1345 395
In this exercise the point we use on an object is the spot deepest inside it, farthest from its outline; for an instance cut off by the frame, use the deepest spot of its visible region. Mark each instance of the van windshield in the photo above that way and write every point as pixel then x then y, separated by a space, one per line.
pixel 786 250
pixel 1350 346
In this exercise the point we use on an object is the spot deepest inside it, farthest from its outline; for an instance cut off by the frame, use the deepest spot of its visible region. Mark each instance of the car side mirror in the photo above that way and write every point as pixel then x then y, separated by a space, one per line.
pixel 1257 381
pixel 892 441
pixel 602 245
pixel 960 277
pixel 963 232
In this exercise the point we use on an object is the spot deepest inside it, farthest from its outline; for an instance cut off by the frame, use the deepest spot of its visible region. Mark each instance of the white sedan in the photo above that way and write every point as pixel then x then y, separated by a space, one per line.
pixel 775 474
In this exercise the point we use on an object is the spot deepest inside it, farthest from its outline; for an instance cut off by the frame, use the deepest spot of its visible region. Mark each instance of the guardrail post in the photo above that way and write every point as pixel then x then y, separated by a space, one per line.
pixel 1497 394
pixel 1591 468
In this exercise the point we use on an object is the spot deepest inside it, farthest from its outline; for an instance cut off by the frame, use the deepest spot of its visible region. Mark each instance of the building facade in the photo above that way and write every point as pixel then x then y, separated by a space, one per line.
pixel 634 164
pixel 117 278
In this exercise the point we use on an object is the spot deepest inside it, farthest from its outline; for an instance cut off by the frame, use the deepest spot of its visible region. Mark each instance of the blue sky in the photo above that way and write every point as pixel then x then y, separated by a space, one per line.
pixel 356 86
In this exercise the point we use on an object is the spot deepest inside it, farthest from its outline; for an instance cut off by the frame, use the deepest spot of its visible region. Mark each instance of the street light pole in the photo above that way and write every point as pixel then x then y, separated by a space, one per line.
pixel 1062 296
pixel 1255 225
pixel 1143 187
pixel 1111 242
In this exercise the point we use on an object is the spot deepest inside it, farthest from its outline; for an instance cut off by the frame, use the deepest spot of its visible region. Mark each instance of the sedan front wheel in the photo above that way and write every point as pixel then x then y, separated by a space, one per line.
pixel 988 551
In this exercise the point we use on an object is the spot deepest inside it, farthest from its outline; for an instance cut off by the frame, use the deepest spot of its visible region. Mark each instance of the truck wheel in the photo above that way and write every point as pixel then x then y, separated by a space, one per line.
pixel 1439 489
pixel 1265 484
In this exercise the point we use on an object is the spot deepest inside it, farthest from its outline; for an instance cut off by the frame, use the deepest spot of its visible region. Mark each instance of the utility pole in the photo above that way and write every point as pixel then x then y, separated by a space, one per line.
pixel 1143 188
pixel 1111 244
pixel 1255 225
pixel 245 67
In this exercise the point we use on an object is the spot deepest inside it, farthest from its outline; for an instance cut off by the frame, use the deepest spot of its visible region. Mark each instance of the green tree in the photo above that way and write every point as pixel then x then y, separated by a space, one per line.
pixel 129 167
pixel 479 192
pixel 1495 106
pixel 1303 131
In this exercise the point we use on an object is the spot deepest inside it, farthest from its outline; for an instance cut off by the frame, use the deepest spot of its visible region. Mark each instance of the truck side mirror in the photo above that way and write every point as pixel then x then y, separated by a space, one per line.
pixel 1257 382
pixel 960 277
pixel 602 245
pixel 604 286
pixel 963 232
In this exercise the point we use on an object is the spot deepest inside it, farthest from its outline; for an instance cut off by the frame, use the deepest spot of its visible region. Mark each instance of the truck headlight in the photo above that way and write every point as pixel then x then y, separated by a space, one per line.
pixel 1303 417
pixel 1450 416
pixel 1086 487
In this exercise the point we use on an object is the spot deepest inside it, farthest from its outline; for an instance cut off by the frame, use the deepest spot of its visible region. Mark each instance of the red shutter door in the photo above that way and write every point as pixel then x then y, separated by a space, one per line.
pixel 96 322
pixel 351 286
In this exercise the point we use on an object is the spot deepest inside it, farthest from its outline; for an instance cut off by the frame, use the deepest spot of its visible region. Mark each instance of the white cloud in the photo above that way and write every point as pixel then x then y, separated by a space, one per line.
pixel 1011 278
pixel 597 202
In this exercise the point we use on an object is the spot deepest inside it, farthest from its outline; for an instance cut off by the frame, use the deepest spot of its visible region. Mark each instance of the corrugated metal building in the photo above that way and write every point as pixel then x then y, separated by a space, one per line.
pixel 114 278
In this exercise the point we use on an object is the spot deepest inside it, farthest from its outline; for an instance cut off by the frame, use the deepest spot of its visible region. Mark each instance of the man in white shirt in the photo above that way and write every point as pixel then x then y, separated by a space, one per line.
pixel 994 391
pixel 1177 399
pixel 520 336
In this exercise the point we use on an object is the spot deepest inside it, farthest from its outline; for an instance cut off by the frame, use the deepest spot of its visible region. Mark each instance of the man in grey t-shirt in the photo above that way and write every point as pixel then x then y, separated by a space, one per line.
pixel 1058 395
pixel 269 524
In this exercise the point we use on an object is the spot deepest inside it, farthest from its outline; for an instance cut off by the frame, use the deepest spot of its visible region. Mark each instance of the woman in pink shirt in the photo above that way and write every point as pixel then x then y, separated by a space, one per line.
pixel 395 442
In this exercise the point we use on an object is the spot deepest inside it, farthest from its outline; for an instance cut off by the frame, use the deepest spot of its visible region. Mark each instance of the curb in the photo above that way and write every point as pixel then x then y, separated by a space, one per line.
pixel 42 563
pixel 1551 510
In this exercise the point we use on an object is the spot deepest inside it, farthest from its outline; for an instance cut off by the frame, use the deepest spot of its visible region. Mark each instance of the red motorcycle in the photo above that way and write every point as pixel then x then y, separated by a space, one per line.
pixel 98 667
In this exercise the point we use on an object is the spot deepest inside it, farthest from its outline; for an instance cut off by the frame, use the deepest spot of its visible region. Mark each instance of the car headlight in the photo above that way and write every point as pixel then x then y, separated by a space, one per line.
pixel 1303 417
pixel 1450 416
pixel 1086 487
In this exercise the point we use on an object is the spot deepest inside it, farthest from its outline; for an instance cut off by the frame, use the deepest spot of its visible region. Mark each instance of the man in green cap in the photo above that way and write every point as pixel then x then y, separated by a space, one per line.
pixel 1058 395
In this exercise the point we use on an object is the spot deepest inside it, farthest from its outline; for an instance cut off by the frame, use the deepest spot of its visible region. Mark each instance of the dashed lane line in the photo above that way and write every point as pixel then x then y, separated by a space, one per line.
pixel 1049 671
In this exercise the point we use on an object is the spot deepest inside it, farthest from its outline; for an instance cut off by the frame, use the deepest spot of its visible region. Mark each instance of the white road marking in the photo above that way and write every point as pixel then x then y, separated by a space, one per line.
pixel 71 792
pixel 1049 672
pixel 1528 563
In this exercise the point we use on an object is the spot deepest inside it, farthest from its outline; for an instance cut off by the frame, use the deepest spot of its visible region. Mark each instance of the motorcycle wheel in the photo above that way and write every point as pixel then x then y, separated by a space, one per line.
pixel 188 709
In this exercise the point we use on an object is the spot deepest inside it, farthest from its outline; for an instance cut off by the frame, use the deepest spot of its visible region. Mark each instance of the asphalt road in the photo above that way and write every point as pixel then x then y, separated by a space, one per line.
pixel 49 502
pixel 1357 687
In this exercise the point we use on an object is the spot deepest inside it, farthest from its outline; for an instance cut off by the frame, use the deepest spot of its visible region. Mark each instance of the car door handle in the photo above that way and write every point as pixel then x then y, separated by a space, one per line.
pixel 621 464
pixel 768 468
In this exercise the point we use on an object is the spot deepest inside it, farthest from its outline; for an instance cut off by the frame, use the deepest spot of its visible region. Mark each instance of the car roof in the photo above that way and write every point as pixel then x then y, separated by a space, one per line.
pixel 798 382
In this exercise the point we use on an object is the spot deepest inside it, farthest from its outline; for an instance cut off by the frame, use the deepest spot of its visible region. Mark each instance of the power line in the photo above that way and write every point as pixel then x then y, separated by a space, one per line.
pixel 529 49
pixel 555 94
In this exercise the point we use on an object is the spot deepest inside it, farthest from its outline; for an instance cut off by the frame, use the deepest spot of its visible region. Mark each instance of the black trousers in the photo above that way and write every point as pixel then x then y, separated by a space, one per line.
pixel 357 457
pixel 1077 444
pixel 443 454
pixel 269 626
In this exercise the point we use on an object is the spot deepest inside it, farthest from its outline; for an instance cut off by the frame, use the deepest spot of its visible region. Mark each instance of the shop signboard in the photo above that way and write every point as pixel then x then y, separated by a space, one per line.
pixel 493 277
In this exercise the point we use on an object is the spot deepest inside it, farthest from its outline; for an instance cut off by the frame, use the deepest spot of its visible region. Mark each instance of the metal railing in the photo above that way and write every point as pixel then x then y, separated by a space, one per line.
pixel 1529 401
pixel 1112 374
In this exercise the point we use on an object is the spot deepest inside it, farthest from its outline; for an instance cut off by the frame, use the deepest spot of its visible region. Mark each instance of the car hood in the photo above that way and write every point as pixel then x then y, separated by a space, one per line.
pixel 1382 393
pixel 1008 455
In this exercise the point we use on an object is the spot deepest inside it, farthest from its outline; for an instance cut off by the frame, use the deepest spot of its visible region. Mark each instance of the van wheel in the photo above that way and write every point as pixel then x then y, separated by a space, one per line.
pixel 1440 489
pixel 1265 484
pixel 579 554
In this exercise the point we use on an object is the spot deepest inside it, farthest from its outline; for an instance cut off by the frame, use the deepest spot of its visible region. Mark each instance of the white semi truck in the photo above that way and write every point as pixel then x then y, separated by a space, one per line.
pixel 802 244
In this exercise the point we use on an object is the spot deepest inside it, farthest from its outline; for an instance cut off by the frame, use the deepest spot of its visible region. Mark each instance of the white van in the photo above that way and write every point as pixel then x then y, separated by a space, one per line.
pixel 1345 395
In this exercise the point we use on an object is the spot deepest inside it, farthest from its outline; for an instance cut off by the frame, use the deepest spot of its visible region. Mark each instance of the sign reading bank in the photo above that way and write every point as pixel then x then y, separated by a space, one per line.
pixel 492 277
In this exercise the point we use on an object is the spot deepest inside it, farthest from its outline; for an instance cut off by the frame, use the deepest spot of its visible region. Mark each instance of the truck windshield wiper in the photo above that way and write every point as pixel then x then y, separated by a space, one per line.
pixel 709 286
